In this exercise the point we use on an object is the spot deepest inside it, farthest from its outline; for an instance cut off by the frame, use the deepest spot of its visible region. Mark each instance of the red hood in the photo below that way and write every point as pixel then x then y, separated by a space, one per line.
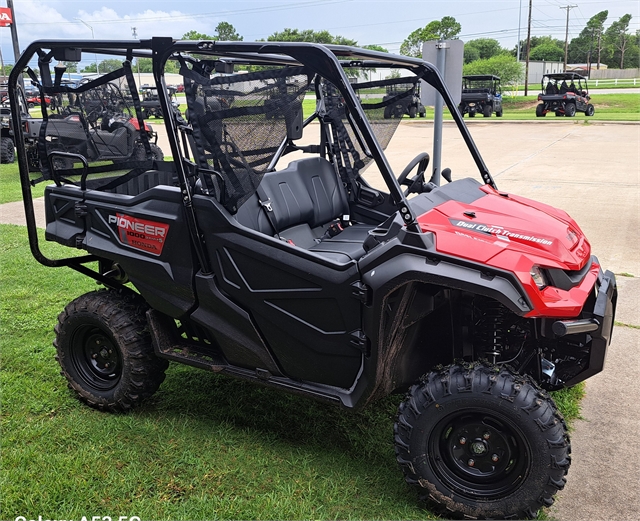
pixel 498 229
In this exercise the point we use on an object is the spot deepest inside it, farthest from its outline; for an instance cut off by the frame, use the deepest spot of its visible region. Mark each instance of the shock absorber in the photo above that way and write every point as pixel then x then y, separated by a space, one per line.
pixel 490 330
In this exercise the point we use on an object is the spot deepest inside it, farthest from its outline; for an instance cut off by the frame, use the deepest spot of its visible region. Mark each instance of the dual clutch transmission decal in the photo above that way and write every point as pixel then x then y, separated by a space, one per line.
pixel 141 234
pixel 500 232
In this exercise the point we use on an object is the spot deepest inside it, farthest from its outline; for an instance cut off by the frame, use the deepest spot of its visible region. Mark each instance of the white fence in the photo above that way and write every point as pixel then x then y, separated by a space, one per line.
pixel 616 82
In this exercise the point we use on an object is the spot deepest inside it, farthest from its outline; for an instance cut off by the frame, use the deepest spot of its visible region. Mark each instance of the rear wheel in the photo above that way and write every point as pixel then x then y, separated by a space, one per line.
pixel 486 111
pixel 570 109
pixel 7 150
pixel 105 350
pixel 483 442
pixel 413 111
pixel 540 111
pixel 590 111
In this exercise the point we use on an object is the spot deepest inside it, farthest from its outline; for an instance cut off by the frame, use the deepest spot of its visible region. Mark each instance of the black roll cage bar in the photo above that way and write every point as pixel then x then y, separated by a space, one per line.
pixel 328 61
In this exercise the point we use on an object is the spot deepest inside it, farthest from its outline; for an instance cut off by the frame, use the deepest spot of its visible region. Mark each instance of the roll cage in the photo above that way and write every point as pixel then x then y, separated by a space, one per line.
pixel 328 62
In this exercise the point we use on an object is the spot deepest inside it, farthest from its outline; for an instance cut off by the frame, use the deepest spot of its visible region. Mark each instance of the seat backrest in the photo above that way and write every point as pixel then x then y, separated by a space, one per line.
pixel 144 182
pixel 327 193
pixel 306 192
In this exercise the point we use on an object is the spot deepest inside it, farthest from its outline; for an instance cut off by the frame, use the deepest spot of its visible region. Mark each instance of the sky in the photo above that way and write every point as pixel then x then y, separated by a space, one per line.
pixel 386 23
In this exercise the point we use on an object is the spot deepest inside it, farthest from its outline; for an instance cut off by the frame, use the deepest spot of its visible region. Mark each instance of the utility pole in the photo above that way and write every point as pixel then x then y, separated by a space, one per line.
pixel 14 40
pixel 526 70
pixel 14 31
pixel 599 48
pixel 519 20
pixel 566 35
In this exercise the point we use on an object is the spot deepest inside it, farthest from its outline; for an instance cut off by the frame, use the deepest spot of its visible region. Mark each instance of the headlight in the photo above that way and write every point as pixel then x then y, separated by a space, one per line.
pixel 538 277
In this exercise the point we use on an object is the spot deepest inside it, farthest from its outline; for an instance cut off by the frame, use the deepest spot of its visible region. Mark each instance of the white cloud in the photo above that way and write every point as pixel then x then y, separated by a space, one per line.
pixel 37 20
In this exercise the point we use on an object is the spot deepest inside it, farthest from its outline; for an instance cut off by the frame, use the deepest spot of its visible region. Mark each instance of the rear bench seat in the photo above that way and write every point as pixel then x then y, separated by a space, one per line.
pixel 305 199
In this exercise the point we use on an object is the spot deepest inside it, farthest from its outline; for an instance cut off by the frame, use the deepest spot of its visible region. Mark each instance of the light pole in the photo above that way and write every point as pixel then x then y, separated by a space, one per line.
pixel 93 37
pixel 135 36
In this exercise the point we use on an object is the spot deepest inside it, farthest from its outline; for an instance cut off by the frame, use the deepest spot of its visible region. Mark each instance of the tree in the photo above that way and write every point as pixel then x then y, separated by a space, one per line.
pixel 71 66
pixel 146 65
pixel 195 35
pixel 374 47
pixel 505 66
pixel 309 35
pixel 618 39
pixel 547 52
pixel 446 29
pixel 227 33
pixel 105 66
pixel 537 41
pixel 481 49
pixel 585 47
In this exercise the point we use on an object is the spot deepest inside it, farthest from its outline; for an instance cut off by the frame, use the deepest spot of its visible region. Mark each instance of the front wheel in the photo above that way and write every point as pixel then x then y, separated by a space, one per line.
pixel 483 441
pixel 105 350
pixel 590 111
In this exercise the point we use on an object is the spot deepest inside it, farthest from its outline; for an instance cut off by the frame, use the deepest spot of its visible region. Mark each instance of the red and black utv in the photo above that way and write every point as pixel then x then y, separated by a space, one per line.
pixel 564 94
pixel 263 250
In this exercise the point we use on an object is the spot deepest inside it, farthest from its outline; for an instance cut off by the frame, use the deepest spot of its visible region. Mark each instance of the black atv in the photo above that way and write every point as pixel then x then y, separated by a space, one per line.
pixel 402 98
pixel 300 275
pixel 7 147
pixel 150 101
pixel 481 94
pixel 564 94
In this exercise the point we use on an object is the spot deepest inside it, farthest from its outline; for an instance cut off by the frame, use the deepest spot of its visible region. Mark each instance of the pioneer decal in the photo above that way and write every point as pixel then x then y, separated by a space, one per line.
pixel 499 232
pixel 141 234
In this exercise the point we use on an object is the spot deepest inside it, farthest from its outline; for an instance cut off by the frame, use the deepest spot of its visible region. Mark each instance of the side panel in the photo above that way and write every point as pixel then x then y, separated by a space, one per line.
pixel 148 237
pixel 303 305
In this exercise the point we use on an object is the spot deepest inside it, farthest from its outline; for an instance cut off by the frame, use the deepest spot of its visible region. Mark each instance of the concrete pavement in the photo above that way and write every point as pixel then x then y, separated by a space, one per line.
pixel 592 171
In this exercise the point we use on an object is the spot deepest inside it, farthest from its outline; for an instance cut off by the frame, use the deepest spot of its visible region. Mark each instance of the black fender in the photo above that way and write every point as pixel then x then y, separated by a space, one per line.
pixel 411 269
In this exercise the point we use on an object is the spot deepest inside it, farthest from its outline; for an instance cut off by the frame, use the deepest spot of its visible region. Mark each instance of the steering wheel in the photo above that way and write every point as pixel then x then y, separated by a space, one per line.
pixel 422 160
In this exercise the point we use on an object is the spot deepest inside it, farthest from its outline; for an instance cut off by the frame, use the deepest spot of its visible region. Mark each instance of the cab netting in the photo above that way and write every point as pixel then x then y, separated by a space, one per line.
pixel 239 121
pixel 99 120
pixel 384 102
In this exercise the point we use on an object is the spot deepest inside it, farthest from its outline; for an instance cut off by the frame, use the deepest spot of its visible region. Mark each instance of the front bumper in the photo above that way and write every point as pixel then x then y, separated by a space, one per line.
pixel 594 326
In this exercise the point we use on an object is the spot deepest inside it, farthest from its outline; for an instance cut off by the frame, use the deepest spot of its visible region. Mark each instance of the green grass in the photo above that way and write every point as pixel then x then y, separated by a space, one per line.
pixel 609 107
pixel 10 189
pixel 204 447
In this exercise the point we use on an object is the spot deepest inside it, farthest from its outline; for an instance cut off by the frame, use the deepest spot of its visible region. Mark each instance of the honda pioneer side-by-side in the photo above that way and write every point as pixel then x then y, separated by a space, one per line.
pixel 564 94
pixel 481 94
pixel 263 250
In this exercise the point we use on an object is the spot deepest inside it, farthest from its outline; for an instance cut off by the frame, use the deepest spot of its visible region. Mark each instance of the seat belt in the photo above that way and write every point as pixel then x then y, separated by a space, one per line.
pixel 265 203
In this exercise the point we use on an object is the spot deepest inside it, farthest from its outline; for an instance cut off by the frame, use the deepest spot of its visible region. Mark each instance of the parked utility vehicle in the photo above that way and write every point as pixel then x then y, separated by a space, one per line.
pixel 402 98
pixel 7 148
pixel 564 94
pixel 268 249
pixel 95 123
pixel 481 94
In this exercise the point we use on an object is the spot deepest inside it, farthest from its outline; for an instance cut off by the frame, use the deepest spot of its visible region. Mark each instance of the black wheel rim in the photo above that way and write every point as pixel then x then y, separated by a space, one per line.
pixel 96 358
pixel 480 454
